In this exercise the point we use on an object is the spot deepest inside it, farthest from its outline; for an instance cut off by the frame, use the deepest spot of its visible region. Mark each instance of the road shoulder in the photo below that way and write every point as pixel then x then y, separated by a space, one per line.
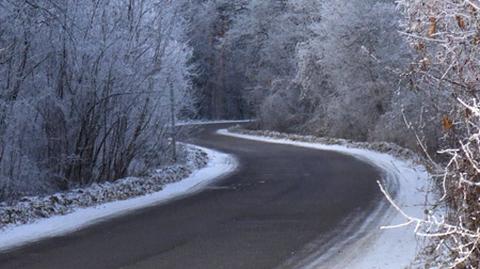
pixel 362 244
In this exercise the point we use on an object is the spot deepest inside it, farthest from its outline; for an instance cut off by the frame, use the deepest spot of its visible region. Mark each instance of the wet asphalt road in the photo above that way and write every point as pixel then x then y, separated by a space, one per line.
pixel 279 200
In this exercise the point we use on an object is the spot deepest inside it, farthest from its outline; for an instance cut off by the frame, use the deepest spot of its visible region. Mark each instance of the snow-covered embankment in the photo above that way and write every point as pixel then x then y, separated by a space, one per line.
pixel 171 186
pixel 362 244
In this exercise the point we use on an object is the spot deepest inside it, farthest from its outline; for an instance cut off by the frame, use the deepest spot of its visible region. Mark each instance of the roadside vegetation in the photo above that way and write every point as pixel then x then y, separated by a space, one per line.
pixel 446 36
pixel 85 90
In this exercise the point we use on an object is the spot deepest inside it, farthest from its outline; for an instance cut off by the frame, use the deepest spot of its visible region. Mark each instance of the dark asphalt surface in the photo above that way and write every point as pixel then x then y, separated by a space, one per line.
pixel 280 199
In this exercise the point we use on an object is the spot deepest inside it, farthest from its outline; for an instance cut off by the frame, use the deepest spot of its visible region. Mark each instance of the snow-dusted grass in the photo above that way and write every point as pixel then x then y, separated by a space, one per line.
pixel 219 165
pixel 367 246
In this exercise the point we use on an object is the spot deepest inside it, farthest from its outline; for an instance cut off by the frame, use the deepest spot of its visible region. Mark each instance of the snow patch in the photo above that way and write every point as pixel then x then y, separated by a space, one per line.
pixel 362 244
pixel 219 165
pixel 206 122
pixel 30 208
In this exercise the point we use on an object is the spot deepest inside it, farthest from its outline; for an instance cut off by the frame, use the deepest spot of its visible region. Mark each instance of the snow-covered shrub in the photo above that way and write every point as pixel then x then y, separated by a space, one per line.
pixel 446 35
pixel 281 109
pixel 30 208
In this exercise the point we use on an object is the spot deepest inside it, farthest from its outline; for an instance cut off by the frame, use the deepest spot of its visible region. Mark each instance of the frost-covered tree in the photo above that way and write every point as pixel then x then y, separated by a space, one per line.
pixel 344 65
pixel 84 89
pixel 330 68
pixel 241 47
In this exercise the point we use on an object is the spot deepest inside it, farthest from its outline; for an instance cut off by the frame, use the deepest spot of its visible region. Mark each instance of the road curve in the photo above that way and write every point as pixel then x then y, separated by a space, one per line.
pixel 279 200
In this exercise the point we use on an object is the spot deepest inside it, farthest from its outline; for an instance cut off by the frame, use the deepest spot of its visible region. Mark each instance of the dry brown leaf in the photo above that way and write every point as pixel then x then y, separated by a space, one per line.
pixel 433 26
pixel 460 21
pixel 447 123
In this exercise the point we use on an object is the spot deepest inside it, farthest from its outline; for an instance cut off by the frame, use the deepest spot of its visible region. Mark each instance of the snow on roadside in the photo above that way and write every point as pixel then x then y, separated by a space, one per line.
pixel 207 122
pixel 218 165
pixel 31 208
pixel 365 246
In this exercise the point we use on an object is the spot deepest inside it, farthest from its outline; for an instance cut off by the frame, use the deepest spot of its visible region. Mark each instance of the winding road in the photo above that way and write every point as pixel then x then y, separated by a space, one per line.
pixel 265 215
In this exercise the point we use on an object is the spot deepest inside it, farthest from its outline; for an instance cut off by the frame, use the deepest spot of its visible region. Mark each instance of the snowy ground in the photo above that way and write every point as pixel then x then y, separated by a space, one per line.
pixel 219 164
pixel 204 122
pixel 367 246
pixel 30 208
